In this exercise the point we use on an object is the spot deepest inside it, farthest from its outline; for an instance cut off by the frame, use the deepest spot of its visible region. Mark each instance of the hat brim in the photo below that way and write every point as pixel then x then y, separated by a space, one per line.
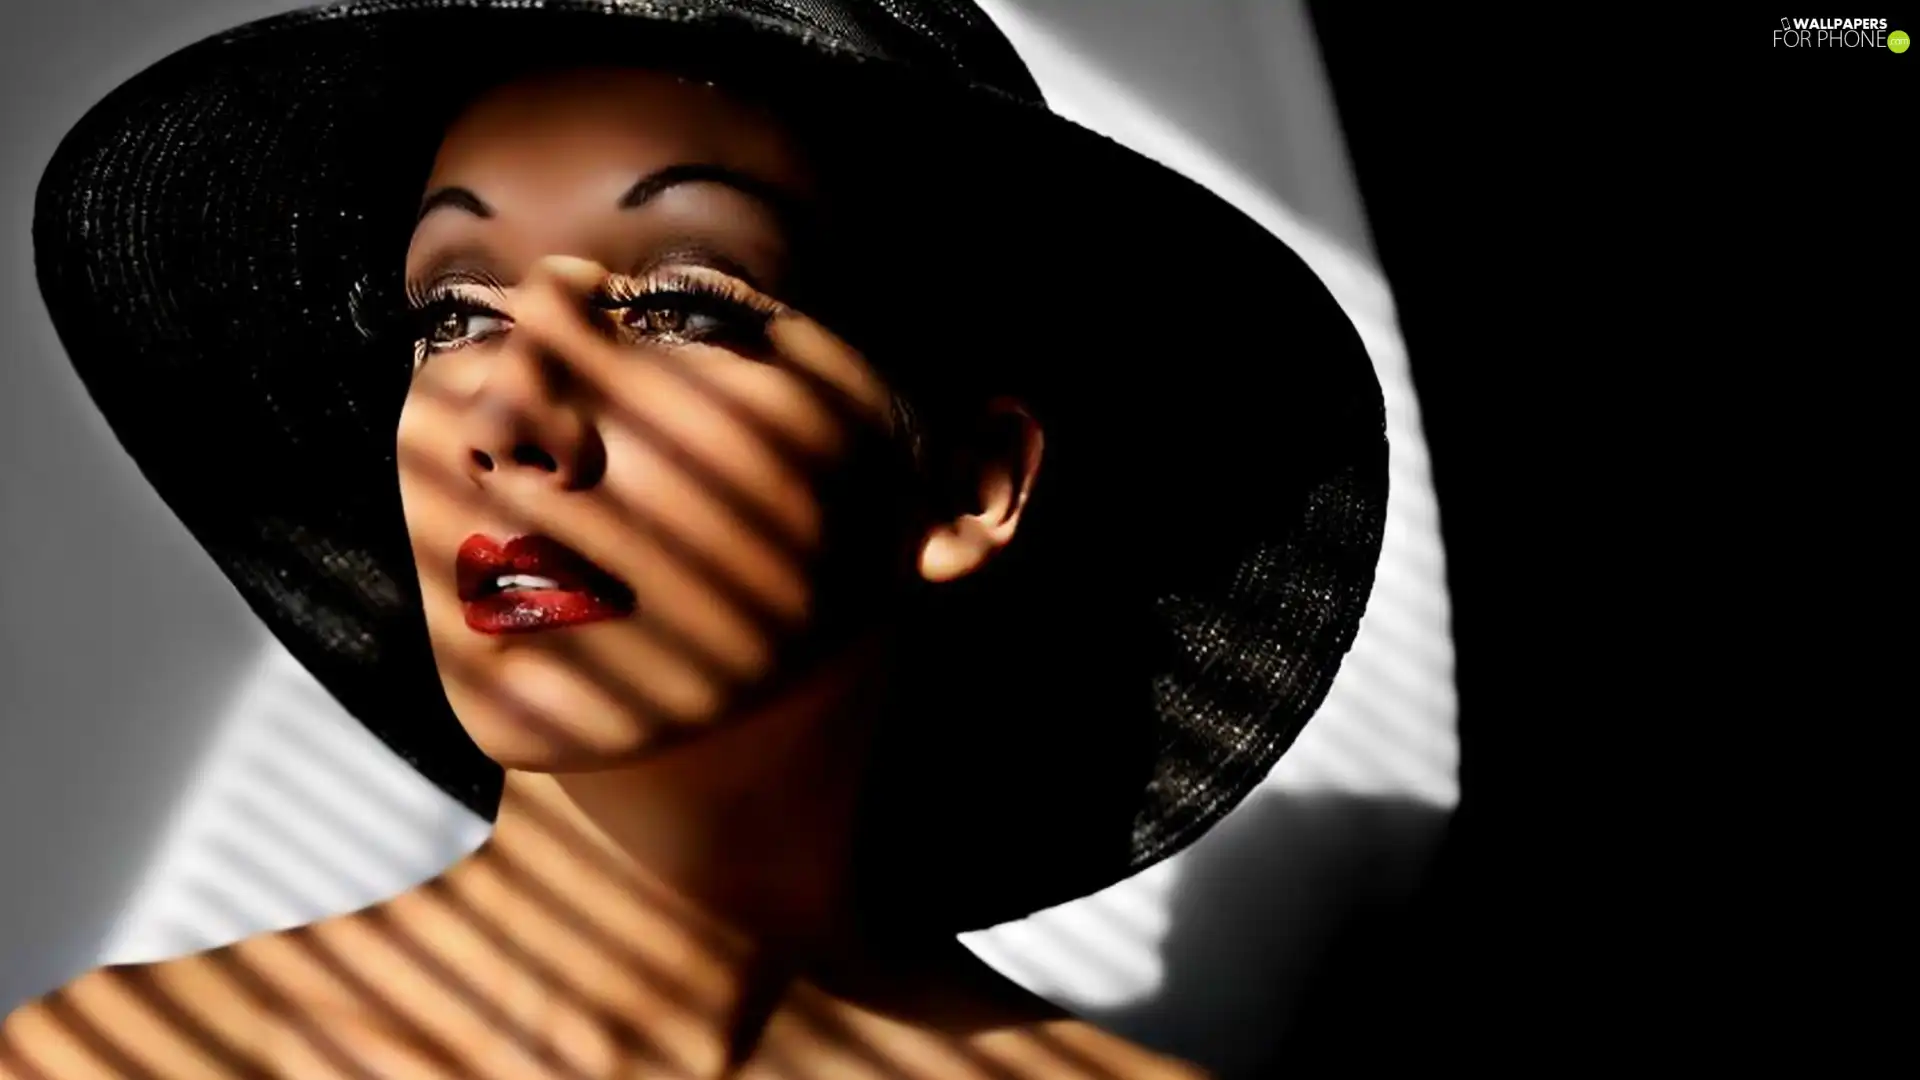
pixel 202 234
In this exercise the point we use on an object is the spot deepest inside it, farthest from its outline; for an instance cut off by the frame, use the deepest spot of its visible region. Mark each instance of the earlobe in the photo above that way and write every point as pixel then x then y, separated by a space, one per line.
pixel 1008 456
pixel 954 549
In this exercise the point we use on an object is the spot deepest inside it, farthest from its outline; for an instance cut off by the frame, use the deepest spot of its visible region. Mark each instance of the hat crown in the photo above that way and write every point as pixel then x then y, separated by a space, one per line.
pixel 952 38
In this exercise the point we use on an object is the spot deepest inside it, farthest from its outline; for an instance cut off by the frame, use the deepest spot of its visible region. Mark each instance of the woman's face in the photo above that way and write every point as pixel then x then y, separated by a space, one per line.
pixel 615 450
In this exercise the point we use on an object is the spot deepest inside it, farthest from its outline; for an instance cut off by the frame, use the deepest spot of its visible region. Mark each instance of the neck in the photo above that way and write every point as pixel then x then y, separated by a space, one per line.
pixel 695 883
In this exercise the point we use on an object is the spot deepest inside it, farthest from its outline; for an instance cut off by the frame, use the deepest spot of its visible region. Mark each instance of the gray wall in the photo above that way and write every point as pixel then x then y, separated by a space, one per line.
pixel 170 780
pixel 117 639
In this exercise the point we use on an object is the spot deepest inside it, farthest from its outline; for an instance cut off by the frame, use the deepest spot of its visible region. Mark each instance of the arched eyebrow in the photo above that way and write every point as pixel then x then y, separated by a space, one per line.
pixel 643 191
pixel 458 198
pixel 654 183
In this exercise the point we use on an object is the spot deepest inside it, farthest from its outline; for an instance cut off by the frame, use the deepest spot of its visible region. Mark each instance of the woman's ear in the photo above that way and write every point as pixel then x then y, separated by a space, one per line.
pixel 999 465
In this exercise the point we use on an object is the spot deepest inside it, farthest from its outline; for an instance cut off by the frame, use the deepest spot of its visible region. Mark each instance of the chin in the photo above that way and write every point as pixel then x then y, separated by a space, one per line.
pixel 586 737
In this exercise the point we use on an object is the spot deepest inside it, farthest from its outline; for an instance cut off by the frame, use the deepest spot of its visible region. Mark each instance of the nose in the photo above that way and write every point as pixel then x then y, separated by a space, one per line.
pixel 526 419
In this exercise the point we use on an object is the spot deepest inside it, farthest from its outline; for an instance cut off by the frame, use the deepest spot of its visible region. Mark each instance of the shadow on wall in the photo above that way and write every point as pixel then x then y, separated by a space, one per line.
pixel 298 814
pixel 1242 77
pixel 1280 925
pixel 119 640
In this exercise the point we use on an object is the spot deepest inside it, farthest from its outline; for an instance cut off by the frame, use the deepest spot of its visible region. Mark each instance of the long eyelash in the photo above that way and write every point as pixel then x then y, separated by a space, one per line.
pixel 745 312
pixel 425 303
pixel 422 294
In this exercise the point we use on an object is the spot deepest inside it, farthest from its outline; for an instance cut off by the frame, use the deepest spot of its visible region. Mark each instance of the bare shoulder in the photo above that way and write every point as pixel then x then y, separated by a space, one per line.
pixel 124 1020
pixel 1004 1023
pixel 869 1044
pixel 1021 1033
pixel 222 1014
pixel 1075 1048
pixel 960 1018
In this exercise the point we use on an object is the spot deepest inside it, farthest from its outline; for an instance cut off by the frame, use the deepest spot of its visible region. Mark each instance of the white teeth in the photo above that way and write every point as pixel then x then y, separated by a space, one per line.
pixel 523 581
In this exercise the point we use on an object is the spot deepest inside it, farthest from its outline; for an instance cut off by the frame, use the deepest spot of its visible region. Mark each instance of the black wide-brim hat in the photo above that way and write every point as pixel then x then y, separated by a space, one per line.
pixel 1195 561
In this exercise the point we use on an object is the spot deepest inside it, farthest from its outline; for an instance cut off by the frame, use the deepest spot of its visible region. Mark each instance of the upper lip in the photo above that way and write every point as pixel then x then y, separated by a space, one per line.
pixel 483 560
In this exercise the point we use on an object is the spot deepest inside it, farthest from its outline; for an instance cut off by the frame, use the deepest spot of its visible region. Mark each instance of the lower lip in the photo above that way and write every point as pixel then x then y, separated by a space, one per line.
pixel 522 611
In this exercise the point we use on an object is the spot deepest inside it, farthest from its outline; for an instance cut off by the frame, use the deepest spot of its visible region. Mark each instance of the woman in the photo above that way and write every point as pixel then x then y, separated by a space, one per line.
pixel 719 351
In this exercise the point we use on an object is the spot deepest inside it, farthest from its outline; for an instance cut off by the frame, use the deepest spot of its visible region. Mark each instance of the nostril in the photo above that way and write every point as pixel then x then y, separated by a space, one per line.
pixel 535 457
pixel 481 459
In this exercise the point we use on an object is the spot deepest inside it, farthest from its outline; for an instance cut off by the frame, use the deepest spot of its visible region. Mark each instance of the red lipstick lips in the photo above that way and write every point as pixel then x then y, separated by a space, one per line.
pixel 534 583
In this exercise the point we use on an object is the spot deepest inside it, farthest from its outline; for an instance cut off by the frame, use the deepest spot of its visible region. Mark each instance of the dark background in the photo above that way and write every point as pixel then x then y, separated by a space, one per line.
pixel 1656 282
pixel 1426 134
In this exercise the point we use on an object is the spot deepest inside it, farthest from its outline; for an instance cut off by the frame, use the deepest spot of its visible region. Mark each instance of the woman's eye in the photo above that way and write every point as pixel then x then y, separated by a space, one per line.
pixel 665 319
pixel 459 326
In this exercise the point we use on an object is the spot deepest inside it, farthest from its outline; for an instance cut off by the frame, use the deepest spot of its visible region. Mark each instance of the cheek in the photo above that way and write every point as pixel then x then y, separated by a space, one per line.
pixel 744 520
pixel 736 450
pixel 435 498
pixel 412 458
pixel 745 465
